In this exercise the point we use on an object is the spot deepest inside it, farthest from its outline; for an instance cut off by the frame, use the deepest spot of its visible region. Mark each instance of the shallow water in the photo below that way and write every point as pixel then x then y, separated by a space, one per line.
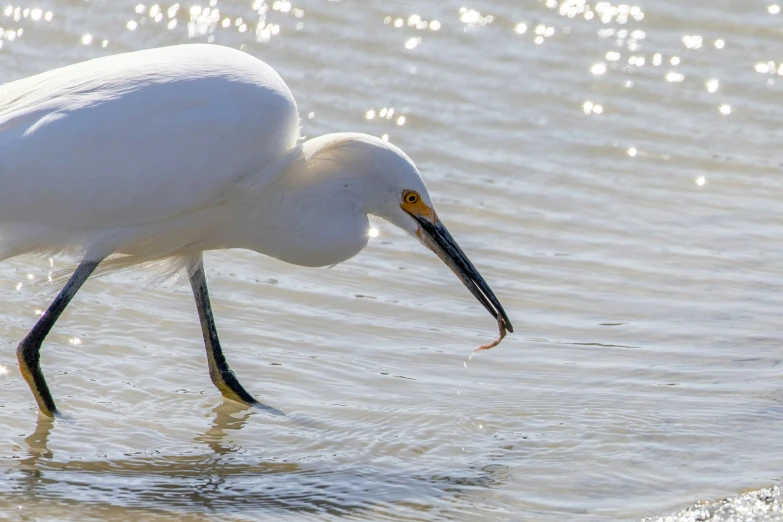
pixel 616 177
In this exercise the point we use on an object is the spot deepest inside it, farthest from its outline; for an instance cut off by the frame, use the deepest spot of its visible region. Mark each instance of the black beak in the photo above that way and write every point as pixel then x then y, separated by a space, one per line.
pixel 439 240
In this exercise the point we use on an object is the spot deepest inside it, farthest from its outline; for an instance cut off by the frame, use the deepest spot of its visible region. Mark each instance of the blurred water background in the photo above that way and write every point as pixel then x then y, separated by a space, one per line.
pixel 614 170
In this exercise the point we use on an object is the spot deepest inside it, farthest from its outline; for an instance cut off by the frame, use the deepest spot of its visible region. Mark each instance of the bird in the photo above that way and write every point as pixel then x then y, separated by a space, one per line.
pixel 159 155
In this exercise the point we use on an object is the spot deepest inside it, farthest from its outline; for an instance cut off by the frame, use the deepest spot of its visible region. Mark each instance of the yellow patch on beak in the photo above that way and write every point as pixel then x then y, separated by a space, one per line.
pixel 420 209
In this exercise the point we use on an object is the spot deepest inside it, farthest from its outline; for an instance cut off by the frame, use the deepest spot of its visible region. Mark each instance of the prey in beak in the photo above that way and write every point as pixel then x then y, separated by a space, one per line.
pixel 437 238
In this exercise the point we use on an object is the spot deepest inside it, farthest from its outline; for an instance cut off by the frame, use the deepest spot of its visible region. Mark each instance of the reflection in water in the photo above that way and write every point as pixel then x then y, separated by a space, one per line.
pixel 223 422
pixel 31 481
pixel 37 451
pixel 37 441
pixel 227 479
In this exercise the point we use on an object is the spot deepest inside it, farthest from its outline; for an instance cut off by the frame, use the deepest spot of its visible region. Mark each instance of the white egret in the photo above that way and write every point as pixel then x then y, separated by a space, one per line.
pixel 166 153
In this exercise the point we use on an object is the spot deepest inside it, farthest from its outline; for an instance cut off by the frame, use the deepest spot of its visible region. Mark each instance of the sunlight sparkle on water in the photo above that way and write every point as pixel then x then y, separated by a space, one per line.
pixel 282 6
pixel 545 31
pixel 712 85
pixel 725 109
pixel 674 77
pixel 35 14
pixel 700 181
pixel 769 67
pixel 637 61
pixel 3 370
pixel 414 21
pixel 412 43
pixel 592 108
pixel 373 232
pixel 692 41
pixel 385 112
pixel 472 18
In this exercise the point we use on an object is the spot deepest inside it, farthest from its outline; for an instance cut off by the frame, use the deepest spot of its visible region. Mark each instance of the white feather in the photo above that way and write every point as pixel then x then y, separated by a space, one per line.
pixel 155 156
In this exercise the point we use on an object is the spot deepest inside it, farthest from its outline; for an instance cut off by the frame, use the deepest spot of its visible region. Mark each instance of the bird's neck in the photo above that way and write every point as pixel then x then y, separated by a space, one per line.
pixel 306 213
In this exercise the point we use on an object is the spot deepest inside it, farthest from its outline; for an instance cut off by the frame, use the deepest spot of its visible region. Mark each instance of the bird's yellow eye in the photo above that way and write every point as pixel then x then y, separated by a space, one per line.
pixel 410 198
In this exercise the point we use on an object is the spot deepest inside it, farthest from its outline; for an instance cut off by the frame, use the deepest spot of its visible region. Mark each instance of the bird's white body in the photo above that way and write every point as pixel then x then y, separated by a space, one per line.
pixel 162 153
pixel 123 134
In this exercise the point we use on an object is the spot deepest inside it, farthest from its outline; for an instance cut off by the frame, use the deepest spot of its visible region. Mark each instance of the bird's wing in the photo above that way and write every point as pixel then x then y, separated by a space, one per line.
pixel 137 138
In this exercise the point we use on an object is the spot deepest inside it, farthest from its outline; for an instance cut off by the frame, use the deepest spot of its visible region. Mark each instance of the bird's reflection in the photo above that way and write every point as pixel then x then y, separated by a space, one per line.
pixel 38 442
pixel 37 452
pixel 229 416
pixel 220 479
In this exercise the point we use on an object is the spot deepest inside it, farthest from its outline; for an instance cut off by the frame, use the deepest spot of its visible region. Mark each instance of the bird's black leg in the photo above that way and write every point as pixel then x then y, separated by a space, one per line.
pixel 29 350
pixel 222 376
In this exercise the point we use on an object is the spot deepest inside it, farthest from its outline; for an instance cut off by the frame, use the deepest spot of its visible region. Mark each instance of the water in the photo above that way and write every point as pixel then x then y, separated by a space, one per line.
pixel 616 177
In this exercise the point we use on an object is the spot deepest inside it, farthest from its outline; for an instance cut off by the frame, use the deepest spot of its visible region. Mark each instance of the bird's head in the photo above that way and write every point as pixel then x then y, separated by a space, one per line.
pixel 389 186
